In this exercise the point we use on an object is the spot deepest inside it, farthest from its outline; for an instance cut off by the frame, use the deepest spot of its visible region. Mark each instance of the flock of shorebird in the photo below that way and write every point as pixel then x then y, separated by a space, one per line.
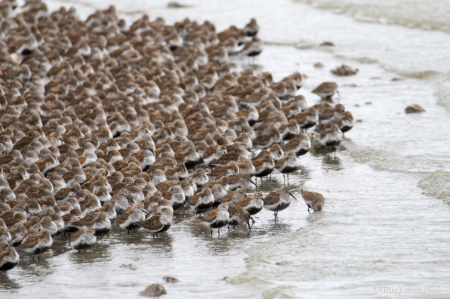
pixel 106 123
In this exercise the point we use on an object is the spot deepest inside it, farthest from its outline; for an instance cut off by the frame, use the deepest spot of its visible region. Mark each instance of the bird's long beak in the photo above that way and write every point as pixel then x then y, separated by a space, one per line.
pixel 253 183
pixel 337 91
pixel 292 195
pixel 145 211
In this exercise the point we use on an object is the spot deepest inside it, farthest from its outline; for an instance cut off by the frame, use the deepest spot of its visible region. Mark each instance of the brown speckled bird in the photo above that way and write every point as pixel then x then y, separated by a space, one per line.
pixel 313 200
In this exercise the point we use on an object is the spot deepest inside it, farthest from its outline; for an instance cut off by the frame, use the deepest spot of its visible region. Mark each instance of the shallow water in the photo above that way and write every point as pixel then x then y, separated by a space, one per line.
pixel 385 226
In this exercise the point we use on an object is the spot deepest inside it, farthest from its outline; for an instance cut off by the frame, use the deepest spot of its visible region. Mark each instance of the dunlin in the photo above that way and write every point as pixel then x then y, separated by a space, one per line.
pixel 9 258
pixel 233 196
pixel 326 90
pixel 278 200
pixel 253 47
pixel 252 204
pixel 263 166
pixel 17 233
pixel 188 188
pixel 251 115
pixel 121 201
pixel 276 152
pixel 288 164
pixel 137 193
pixel 48 224
pixel 37 243
pixel 157 176
pixel 238 215
pixel 132 216
pixel 223 181
pixel 176 196
pixel 332 137
pixel 267 139
pixel 344 70
pixel 240 180
pixel 300 145
pixel 199 177
pixel 83 239
pixel 244 138
pixel 103 195
pixel 155 204
pixel 307 119
pixel 214 153
pixel 251 28
pixel 225 170
pixel 201 201
pixel 246 167
pixel 326 112
pixel 345 123
pixel 219 192
pixel 180 171
pixel 290 130
pixel 159 222
pixel 166 185
pixel 57 219
pixel 4 233
pixel 110 210
pixel 34 227
pixel 237 155
pixel 90 204
pixel 313 200
pixel 217 218
pixel 74 216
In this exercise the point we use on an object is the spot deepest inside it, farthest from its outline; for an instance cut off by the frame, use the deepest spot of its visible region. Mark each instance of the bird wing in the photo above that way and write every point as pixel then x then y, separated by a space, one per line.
pixel 152 224
pixel 308 196
pixel 87 220
pixel 246 47
pixel 324 133
pixel 261 139
pixel 258 163
pixel 245 201
pixel 77 235
pixel 210 217
pixel 292 144
pixel 30 241
pixel 318 197
pixel 124 217
pixel 194 199
pixel 272 198
pixel 281 162
pixel 219 170
pixel 227 197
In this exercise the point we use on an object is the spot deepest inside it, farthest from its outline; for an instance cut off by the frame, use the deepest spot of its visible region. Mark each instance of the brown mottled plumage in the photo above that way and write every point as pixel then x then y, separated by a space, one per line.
pixel 238 215
pixel 253 204
pixel 278 200
pixel 225 170
pixel 313 200
pixel 326 90
pixel 158 223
